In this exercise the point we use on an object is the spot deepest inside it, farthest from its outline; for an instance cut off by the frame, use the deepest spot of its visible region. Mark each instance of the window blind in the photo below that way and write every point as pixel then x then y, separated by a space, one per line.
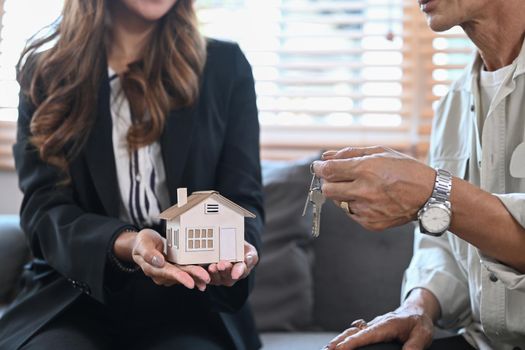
pixel 436 60
pixel 335 73
pixel 329 73
pixel 326 73
pixel 7 128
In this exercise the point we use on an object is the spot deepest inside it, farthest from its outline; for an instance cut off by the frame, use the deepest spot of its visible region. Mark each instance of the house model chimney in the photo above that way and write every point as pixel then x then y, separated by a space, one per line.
pixel 182 197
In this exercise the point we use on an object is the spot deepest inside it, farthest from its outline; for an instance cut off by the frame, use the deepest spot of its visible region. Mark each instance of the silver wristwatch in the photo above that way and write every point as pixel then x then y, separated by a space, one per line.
pixel 435 216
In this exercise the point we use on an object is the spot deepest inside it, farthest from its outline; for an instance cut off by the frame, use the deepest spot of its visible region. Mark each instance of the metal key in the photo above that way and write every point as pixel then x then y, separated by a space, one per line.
pixel 316 199
pixel 313 184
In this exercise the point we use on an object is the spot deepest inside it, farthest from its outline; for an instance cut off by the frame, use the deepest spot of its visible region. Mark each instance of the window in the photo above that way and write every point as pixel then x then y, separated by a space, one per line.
pixel 199 239
pixel 19 20
pixel 335 73
pixel 173 238
pixel 432 61
pixel 329 73
pixel 211 208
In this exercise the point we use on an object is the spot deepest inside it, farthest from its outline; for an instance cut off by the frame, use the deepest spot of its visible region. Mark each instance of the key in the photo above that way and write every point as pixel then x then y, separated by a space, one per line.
pixel 317 199
pixel 313 184
pixel 316 182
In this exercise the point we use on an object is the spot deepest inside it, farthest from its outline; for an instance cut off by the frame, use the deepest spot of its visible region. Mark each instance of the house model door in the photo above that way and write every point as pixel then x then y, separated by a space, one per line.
pixel 228 244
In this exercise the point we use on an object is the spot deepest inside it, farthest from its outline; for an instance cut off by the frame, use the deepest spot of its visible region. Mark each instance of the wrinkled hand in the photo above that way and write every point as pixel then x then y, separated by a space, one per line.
pixel 224 273
pixel 148 254
pixel 383 188
pixel 409 326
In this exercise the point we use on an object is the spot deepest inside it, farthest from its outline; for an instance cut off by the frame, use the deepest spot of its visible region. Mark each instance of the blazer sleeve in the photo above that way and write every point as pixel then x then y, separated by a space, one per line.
pixel 72 241
pixel 239 172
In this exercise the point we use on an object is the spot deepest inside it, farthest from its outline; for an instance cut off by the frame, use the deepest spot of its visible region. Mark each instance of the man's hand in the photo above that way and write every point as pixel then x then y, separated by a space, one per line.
pixel 148 254
pixel 225 273
pixel 411 324
pixel 383 188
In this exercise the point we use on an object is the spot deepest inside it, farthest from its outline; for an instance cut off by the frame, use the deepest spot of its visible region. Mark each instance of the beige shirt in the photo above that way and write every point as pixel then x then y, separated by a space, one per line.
pixel 479 296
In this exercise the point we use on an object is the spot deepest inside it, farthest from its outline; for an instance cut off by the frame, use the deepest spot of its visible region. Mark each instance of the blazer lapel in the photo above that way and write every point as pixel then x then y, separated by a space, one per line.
pixel 99 153
pixel 175 143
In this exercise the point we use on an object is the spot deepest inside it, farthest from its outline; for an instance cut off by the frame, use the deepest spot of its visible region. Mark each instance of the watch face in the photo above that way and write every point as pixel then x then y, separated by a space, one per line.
pixel 435 219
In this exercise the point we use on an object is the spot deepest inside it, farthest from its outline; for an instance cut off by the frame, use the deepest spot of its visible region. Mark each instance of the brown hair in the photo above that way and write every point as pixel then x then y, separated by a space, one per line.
pixel 63 82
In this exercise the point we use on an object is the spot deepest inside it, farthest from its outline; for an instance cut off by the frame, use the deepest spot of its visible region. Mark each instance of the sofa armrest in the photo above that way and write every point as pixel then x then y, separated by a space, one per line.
pixel 14 253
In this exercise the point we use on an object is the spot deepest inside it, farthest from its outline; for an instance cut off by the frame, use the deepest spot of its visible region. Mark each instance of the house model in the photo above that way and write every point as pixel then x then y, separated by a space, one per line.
pixel 204 228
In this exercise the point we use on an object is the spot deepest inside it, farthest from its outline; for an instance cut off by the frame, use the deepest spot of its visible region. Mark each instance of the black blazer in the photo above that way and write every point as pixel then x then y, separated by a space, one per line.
pixel 212 145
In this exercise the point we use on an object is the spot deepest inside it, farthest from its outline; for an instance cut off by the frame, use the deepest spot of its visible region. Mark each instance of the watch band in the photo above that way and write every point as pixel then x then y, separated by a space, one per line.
pixel 442 187
pixel 440 197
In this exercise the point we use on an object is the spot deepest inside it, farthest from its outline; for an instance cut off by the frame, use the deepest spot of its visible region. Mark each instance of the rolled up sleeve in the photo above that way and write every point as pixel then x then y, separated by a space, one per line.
pixel 503 288
pixel 512 279
pixel 515 204
pixel 433 267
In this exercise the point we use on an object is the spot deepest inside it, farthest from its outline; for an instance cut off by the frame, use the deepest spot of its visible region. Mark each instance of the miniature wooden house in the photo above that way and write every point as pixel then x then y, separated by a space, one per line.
pixel 204 228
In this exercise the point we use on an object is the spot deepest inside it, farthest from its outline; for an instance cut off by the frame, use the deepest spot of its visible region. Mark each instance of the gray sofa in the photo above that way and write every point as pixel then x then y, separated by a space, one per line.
pixel 307 289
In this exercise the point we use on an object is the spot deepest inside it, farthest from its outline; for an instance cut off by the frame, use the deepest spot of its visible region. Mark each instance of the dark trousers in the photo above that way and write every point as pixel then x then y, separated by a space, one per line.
pixel 85 326
pixel 451 343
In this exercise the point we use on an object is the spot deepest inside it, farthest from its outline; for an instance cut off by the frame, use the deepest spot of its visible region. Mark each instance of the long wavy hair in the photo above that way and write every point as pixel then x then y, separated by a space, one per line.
pixel 63 81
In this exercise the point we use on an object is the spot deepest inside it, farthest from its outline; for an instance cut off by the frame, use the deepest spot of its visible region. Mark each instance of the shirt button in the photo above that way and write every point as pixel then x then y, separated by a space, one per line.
pixel 472 109
pixel 479 163
pixel 493 277
pixel 138 178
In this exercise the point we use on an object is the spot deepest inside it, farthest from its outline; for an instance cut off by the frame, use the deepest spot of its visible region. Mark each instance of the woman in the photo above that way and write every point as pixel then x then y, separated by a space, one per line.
pixel 127 105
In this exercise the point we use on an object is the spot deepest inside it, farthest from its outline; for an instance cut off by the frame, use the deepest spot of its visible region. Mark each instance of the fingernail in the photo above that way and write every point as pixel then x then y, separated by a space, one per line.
pixel 312 166
pixel 327 154
pixel 249 259
pixel 156 261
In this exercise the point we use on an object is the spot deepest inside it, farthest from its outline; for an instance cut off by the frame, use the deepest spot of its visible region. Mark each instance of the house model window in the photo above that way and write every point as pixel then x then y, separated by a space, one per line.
pixel 173 238
pixel 169 237
pixel 199 239
pixel 204 228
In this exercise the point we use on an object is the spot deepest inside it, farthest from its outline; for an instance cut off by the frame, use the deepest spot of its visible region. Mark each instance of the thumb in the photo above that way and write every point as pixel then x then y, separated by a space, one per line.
pixel 149 247
pixel 418 340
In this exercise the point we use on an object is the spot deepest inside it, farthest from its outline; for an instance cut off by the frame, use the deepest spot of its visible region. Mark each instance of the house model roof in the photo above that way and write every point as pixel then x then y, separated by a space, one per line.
pixel 198 197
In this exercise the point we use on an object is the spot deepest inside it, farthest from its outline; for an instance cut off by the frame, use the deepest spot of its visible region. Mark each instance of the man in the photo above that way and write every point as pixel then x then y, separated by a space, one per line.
pixel 468 269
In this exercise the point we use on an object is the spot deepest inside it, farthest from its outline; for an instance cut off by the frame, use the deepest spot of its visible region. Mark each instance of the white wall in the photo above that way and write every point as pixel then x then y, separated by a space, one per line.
pixel 10 195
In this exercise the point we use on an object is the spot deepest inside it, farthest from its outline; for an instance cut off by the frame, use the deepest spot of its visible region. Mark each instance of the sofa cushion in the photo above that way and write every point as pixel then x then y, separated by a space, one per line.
pixel 13 255
pixel 283 294
pixel 357 273
pixel 295 340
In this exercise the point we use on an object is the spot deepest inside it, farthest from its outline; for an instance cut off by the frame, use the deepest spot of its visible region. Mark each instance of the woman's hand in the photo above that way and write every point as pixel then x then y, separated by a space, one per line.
pixel 147 252
pixel 225 273
pixel 382 188
pixel 411 324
